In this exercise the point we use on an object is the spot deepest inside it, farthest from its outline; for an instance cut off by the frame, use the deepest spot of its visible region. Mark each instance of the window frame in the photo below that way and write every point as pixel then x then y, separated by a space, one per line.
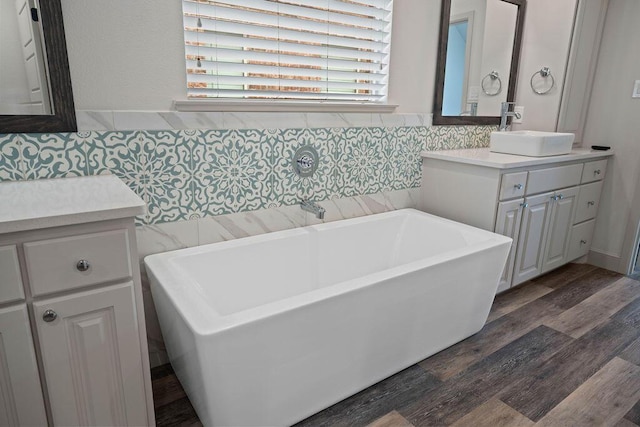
pixel 195 104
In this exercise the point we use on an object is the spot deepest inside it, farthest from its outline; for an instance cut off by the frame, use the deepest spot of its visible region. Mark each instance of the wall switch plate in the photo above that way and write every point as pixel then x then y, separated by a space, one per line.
pixel 636 90
pixel 520 110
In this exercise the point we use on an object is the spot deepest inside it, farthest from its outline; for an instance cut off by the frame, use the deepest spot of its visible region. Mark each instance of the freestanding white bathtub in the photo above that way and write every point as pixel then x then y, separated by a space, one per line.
pixel 268 330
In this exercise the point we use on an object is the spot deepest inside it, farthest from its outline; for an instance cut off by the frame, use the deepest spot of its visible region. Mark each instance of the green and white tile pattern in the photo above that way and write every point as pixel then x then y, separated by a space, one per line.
pixel 187 174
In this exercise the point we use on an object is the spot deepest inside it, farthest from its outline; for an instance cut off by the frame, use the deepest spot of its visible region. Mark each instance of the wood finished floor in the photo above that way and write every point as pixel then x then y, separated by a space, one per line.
pixel 561 350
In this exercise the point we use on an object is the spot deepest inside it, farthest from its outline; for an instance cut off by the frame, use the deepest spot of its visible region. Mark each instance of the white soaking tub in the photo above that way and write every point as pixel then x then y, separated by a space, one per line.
pixel 268 330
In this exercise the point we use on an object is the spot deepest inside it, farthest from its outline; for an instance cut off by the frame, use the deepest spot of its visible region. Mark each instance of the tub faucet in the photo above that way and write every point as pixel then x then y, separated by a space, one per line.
pixel 313 207
pixel 504 113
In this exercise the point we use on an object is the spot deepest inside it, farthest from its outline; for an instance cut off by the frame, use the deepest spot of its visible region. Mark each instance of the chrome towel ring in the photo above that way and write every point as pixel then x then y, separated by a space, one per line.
pixel 493 76
pixel 544 73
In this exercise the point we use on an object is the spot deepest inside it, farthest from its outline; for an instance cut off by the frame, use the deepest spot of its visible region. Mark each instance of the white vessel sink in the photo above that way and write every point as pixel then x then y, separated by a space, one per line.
pixel 531 143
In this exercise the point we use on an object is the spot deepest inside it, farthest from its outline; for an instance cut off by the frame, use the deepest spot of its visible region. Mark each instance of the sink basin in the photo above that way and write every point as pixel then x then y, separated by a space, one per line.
pixel 531 143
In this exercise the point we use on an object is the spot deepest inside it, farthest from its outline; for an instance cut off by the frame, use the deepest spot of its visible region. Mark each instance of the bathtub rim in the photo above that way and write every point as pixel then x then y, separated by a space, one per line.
pixel 202 318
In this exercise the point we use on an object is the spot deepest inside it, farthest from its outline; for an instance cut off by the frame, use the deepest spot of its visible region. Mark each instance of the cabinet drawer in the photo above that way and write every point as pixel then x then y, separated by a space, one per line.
pixel 588 201
pixel 513 185
pixel 10 280
pixel 53 265
pixel 594 171
pixel 581 239
pixel 542 180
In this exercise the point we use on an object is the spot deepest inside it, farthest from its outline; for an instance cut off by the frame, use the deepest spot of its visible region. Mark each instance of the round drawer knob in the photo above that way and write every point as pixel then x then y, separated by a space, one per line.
pixel 596 172
pixel 49 316
pixel 83 265
pixel 518 186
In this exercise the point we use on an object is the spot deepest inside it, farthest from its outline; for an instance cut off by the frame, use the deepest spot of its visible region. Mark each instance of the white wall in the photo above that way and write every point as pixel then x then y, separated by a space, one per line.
pixel 129 55
pixel 497 50
pixel 546 41
pixel 614 119
pixel 414 50
pixel 14 89
pixel 125 55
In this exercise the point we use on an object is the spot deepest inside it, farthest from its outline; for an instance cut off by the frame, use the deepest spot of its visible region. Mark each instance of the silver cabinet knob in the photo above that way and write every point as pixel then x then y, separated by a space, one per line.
pixel 49 316
pixel 83 265
pixel 554 197
pixel 583 242
pixel 524 205
pixel 560 197
pixel 518 186
pixel 591 203
pixel 596 172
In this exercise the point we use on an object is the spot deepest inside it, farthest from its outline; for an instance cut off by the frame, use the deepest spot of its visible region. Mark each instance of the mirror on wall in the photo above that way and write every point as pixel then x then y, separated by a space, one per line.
pixel 24 87
pixel 478 59
pixel 35 85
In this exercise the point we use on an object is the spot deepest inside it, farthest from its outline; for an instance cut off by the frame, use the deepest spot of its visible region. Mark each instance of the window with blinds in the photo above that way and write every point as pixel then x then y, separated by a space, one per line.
pixel 325 50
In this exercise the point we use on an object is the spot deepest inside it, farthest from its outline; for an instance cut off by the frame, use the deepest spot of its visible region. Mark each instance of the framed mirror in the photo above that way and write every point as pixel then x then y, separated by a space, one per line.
pixel 35 84
pixel 478 56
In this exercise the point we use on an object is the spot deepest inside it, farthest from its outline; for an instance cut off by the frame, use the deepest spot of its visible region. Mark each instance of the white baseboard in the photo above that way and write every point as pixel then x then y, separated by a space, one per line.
pixel 605 260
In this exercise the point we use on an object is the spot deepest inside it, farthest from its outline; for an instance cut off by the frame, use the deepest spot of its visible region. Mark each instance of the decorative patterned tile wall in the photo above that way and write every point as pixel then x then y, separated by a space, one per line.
pixel 212 185
pixel 192 174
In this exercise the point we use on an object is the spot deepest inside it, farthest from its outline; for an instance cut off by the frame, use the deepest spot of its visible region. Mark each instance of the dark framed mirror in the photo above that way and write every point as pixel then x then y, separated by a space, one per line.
pixel 40 63
pixel 478 57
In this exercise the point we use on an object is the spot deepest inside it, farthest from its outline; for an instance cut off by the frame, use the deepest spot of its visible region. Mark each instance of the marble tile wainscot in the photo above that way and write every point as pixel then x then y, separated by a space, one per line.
pixel 183 234
pixel 204 186
pixel 100 120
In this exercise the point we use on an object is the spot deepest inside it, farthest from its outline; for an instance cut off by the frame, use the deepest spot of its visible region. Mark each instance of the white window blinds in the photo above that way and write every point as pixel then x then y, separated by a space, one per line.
pixel 335 50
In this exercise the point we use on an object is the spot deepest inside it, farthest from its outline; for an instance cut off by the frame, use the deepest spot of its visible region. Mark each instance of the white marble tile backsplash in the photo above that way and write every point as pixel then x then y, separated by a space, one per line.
pixel 183 234
pixel 172 120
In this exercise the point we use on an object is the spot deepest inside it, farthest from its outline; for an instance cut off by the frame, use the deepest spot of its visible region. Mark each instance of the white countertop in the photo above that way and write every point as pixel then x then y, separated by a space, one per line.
pixel 29 205
pixel 484 157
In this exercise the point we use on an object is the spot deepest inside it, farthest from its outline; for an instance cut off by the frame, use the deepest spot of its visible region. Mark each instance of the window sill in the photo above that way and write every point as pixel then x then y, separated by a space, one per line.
pixel 281 106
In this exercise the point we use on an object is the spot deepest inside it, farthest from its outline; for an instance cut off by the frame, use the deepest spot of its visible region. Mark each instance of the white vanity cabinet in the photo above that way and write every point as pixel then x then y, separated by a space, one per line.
pixel 73 345
pixel 21 400
pixel 546 205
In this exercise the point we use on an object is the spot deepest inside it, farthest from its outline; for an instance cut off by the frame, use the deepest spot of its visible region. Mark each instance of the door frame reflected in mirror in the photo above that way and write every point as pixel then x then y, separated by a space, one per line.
pixel 438 118
pixel 64 117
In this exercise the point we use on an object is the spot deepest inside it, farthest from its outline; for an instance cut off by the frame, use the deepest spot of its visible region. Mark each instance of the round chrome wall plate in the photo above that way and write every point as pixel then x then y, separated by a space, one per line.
pixel 305 161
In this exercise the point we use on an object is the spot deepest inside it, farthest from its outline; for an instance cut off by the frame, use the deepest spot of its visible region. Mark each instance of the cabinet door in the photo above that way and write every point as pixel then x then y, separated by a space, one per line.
pixel 531 240
pixel 562 213
pixel 92 360
pixel 508 224
pixel 21 400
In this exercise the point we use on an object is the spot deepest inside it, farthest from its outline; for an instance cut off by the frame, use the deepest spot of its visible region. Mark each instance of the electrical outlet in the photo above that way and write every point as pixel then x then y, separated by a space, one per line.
pixel 520 110
pixel 636 90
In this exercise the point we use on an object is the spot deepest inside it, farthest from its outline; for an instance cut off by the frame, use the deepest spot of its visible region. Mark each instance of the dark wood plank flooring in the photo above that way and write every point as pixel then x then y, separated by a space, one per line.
pixel 560 350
